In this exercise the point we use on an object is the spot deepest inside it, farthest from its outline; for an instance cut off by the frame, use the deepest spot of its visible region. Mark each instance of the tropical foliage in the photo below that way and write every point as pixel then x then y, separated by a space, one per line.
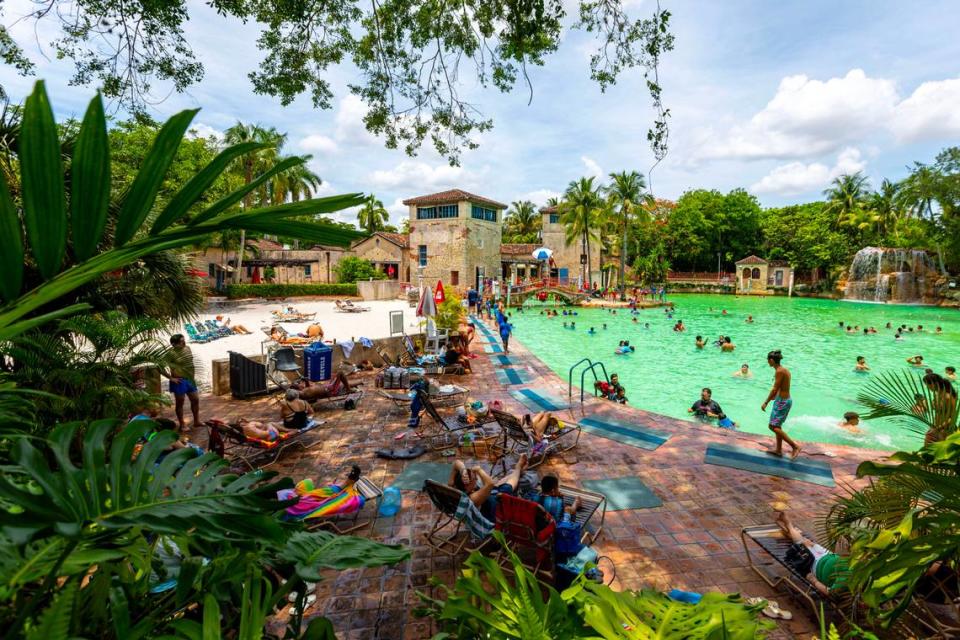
pixel 581 212
pixel 351 269
pixel 289 290
pixel 522 223
pixel 450 311
pixel 372 216
pixel 407 57
pixel 485 603
pixel 120 538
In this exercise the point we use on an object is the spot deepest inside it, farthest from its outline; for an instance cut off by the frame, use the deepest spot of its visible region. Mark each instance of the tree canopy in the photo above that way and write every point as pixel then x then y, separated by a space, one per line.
pixel 408 58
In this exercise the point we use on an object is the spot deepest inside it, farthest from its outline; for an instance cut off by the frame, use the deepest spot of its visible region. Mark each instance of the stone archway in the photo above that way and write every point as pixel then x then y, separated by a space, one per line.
pixel 745 278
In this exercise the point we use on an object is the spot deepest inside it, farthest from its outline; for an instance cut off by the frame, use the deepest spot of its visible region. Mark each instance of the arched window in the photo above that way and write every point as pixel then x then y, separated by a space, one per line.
pixel 756 274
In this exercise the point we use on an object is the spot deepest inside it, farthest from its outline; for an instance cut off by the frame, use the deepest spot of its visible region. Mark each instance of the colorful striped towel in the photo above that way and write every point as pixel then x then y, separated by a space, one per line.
pixel 322 502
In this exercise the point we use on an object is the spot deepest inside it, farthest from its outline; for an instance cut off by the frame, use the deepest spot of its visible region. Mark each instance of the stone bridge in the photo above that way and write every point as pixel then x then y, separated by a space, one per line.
pixel 569 296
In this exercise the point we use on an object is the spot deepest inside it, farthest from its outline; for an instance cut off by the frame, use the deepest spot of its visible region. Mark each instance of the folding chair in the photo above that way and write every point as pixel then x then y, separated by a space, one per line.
pixel 283 360
pixel 517 440
pixel 591 503
pixel 452 424
pixel 440 537
pixel 251 452
pixel 344 524
pixel 528 530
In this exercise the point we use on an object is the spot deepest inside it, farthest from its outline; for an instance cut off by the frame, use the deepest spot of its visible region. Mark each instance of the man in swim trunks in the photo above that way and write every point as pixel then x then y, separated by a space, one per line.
pixel 827 570
pixel 780 395
pixel 311 392
pixel 182 385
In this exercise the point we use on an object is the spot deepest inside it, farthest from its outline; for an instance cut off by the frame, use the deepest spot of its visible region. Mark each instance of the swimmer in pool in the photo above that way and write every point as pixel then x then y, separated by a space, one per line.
pixel 564 324
pixel 743 371
pixel 916 361
pixel 727 345
pixel 851 420
pixel 700 343
pixel 646 325
pixel 938 330
pixel 635 321
pixel 591 331
pixel 749 319
pixel 950 373
pixel 861 364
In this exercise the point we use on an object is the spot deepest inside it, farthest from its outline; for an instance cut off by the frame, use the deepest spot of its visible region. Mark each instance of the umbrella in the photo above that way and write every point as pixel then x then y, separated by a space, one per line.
pixel 542 253
pixel 428 306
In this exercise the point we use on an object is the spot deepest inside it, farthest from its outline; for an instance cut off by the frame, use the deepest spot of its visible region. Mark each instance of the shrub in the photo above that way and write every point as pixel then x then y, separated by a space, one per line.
pixel 450 310
pixel 352 268
pixel 289 290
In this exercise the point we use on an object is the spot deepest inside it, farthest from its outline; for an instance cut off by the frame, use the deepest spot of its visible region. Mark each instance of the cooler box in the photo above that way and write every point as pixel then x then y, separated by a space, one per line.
pixel 317 361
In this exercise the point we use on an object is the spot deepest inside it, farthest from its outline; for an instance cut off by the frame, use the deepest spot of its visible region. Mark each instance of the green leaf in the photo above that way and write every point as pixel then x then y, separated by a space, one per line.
pixel 41 168
pixel 90 181
pixel 143 192
pixel 55 620
pixel 187 196
pixel 315 550
pixel 11 245
pixel 211 618
pixel 319 629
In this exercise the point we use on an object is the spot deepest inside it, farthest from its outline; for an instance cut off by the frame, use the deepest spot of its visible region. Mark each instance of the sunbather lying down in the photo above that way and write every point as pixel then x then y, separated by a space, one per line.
pixel 825 570
pixel 254 430
pixel 542 424
pixel 313 391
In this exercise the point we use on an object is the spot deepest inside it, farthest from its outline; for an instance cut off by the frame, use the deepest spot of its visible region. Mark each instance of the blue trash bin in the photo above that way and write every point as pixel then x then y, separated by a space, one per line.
pixel 317 361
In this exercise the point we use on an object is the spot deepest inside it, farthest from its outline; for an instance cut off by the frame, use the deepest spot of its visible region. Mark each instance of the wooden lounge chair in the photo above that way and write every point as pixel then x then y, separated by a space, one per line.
pixel 529 533
pixel 448 535
pixel 517 439
pixel 250 452
pixel 771 540
pixel 344 524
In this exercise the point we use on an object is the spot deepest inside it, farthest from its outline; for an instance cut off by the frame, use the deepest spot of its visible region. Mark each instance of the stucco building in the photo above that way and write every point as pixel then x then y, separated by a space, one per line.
pixel 267 260
pixel 389 253
pixel 455 237
pixel 755 275
pixel 566 257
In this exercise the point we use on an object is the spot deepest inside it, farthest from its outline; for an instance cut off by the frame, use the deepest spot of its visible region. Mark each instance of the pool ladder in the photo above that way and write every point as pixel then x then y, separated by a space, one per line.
pixel 589 367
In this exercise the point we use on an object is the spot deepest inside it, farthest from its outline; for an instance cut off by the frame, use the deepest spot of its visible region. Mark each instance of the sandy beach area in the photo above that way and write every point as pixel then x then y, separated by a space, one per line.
pixel 336 326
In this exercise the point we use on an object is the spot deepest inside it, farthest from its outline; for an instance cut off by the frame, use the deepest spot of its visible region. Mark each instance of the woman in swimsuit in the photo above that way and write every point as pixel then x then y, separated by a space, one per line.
pixel 294 411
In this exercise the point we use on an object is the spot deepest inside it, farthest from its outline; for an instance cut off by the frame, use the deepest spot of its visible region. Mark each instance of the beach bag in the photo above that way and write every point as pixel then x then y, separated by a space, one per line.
pixel 567 541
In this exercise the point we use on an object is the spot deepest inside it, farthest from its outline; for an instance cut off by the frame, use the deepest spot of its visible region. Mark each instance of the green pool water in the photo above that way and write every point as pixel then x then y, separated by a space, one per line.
pixel 666 372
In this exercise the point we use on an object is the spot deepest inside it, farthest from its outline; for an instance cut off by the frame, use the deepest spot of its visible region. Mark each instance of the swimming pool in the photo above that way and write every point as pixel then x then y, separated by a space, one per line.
pixel 666 372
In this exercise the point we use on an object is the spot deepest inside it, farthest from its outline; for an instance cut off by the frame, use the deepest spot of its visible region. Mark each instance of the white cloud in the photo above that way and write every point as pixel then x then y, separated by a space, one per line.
pixel 318 144
pixel 539 197
pixel 348 123
pixel 796 177
pixel 592 167
pixel 929 113
pixel 416 177
pixel 807 117
pixel 201 130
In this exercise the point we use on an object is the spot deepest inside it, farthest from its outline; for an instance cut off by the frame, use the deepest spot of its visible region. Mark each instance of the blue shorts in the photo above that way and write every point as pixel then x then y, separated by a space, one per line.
pixel 183 387
pixel 489 507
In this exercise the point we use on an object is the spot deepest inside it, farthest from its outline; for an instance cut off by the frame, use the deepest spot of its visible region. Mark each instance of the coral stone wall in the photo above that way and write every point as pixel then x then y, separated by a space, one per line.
pixel 568 256
pixel 456 245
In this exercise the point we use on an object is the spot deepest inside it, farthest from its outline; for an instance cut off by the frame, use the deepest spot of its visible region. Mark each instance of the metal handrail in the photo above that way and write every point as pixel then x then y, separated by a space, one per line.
pixel 591 367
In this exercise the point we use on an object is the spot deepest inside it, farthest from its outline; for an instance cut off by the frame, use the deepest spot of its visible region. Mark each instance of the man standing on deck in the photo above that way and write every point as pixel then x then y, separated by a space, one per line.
pixel 780 395
pixel 182 385
pixel 473 300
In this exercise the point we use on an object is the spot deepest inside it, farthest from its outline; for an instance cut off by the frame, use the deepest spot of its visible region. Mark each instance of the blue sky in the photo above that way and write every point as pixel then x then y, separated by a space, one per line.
pixel 775 97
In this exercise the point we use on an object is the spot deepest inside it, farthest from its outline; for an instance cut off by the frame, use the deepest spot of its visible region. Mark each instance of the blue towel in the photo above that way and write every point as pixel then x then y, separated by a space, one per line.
pixel 366 342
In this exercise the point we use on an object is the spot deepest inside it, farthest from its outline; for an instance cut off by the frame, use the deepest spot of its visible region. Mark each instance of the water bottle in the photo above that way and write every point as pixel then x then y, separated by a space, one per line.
pixel 390 502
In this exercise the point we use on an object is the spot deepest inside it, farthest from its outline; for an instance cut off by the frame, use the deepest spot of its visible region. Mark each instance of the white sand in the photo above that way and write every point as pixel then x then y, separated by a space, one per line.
pixel 336 326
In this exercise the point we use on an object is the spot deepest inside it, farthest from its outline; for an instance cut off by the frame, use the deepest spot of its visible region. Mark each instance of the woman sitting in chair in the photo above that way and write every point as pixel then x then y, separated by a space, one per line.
pixel 295 411
pixel 541 423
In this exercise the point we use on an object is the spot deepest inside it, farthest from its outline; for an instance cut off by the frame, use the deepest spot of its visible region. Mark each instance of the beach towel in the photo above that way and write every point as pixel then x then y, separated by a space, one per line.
pixel 322 502
pixel 468 513
pixel 347 346
pixel 366 342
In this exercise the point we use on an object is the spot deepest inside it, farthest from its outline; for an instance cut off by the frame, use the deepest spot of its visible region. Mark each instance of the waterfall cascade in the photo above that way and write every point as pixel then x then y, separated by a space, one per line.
pixel 890 275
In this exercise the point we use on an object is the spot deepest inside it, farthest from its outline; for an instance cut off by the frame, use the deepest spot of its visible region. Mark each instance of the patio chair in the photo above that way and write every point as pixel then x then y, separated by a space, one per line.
pixel 441 399
pixel 591 503
pixel 771 541
pixel 345 306
pixel 344 524
pixel 449 534
pixel 517 440
pixel 528 530
pixel 252 453
pixel 388 360
pixel 283 360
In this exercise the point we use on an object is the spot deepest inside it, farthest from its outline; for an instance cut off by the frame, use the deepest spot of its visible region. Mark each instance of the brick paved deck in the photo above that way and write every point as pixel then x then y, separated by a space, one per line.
pixel 692 542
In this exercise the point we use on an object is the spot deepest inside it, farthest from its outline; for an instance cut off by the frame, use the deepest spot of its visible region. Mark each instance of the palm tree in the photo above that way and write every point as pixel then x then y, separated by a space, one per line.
pixel 885 205
pixel 372 216
pixel 626 195
pixel 580 213
pixel 523 221
pixel 252 164
pixel 846 194
pixel 298 182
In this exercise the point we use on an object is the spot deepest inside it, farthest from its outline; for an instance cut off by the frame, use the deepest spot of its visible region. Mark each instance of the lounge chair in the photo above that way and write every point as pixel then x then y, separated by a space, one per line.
pixel 253 453
pixel 281 362
pixel 517 440
pixel 450 533
pixel 347 523
pixel 591 503
pixel 442 399
pixel 388 360
pixel 528 530
pixel 345 306
pixel 452 424
pixel 355 395
pixel 774 543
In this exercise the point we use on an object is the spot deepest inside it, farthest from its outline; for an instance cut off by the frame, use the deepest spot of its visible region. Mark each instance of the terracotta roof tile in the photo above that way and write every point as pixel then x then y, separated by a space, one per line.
pixel 399 239
pixel 549 209
pixel 509 249
pixel 450 196
pixel 751 260
pixel 265 245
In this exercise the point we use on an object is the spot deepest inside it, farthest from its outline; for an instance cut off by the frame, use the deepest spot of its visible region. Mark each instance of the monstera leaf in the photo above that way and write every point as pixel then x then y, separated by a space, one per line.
pixel 311 551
